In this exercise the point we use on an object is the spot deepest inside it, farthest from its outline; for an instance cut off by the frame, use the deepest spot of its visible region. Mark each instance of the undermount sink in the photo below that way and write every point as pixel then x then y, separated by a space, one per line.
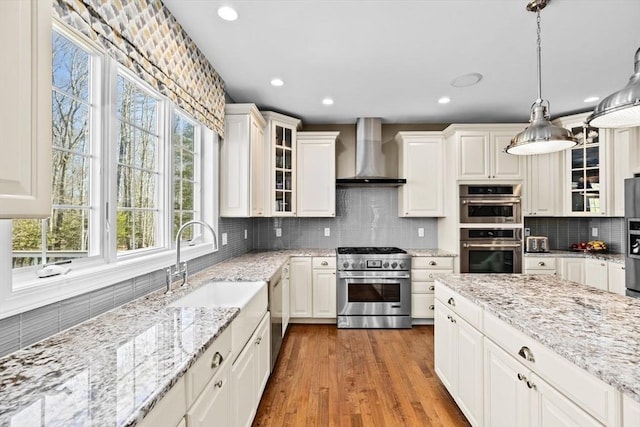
pixel 249 297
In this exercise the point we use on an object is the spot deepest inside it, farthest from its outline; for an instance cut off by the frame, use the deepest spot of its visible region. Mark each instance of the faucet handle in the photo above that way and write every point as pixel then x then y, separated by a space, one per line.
pixel 183 271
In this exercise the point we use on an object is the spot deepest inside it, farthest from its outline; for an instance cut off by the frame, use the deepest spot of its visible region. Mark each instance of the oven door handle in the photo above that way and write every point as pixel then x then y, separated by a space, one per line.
pixel 491 245
pixel 374 277
pixel 490 202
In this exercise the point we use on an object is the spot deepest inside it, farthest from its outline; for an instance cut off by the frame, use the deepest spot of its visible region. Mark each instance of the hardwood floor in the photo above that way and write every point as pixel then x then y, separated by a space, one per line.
pixel 356 377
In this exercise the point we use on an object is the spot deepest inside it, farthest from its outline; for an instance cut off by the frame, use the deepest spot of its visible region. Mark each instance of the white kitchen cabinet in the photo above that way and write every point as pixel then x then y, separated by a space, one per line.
pixel 286 298
pixel 572 269
pixel 280 164
pixel 423 271
pixel 630 412
pixel 249 374
pixel 25 110
pixel 324 287
pixel 596 273
pixel 300 282
pixel 242 176
pixel 625 160
pixel 420 157
pixel 540 265
pixel 170 410
pixel 585 174
pixel 213 405
pixel 616 280
pixel 541 189
pixel 459 351
pixel 316 174
pixel 482 155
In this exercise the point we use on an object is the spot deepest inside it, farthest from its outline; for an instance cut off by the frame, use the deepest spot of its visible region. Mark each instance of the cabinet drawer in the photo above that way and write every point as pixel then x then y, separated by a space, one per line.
pixel 539 263
pixel 432 262
pixel 422 306
pixel 208 364
pixel 587 391
pixel 324 262
pixel 427 275
pixel 169 410
pixel 422 287
pixel 466 309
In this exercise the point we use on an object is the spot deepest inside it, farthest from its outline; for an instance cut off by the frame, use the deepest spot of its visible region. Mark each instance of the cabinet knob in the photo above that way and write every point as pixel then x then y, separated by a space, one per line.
pixel 521 377
pixel 432 288
pixel 258 340
pixel 432 263
pixel 432 307
pixel 541 263
pixel 526 354
pixel 451 301
pixel 602 264
pixel 531 385
pixel 219 383
pixel 217 360
pixel 324 263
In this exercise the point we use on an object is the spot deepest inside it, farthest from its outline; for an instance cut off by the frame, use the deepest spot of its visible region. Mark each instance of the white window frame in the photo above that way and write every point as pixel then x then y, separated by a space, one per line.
pixel 21 291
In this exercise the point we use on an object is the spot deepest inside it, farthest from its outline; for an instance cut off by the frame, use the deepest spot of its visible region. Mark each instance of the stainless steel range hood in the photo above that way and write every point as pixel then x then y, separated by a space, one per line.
pixel 369 159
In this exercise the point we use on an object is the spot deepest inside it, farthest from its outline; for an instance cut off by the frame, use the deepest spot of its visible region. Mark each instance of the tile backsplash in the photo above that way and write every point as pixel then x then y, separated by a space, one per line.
pixel 562 232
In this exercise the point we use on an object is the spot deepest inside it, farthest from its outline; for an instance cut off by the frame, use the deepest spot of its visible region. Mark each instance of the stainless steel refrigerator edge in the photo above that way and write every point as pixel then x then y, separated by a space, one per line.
pixel 632 240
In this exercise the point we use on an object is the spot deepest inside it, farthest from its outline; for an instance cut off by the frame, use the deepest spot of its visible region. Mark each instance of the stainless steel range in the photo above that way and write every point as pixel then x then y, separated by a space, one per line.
pixel 374 287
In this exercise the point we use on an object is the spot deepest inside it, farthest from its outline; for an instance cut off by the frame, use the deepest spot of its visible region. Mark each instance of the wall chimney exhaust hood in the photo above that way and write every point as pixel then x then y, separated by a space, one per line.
pixel 369 159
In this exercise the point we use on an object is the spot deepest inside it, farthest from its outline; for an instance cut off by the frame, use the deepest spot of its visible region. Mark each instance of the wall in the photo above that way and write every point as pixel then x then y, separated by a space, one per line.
pixel 365 216
pixel 23 329
pixel 562 232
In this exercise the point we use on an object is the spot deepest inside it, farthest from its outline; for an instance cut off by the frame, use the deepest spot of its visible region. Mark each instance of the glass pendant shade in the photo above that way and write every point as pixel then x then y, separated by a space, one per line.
pixel 621 109
pixel 541 136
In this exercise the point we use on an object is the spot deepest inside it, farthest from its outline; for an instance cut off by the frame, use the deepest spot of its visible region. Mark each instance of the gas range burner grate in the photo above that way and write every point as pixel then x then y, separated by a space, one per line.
pixel 373 250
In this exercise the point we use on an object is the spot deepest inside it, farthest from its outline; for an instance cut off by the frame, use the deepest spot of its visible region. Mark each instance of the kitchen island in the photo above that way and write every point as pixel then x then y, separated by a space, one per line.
pixel 584 341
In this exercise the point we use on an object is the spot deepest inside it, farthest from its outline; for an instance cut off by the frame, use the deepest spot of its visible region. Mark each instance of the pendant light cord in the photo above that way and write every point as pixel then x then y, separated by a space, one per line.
pixel 539 41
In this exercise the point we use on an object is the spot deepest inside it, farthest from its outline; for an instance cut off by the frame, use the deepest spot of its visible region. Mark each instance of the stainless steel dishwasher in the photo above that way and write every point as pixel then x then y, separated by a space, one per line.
pixel 275 307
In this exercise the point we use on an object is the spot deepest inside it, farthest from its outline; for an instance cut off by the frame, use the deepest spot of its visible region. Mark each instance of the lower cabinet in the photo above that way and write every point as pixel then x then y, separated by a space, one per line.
pixel 458 361
pixel 596 274
pixel 423 271
pixel 516 397
pixel 286 298
pixel 212 407
pixel 617 280
pixel 630 412
pixel 312 282
pixel 324 287
pixel 249 375
pixel 572 269
pixel 300 280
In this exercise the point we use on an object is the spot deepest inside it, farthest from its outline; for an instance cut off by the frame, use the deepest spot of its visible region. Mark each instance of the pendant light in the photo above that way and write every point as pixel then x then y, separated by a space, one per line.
pixel 540 136
pixel 621 109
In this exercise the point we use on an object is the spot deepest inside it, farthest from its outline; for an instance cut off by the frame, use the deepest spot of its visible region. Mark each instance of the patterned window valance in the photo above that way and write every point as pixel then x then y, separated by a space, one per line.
pixel 145 37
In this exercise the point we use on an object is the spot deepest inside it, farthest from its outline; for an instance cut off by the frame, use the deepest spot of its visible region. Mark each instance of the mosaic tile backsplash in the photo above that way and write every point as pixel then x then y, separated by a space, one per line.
pixel 562 232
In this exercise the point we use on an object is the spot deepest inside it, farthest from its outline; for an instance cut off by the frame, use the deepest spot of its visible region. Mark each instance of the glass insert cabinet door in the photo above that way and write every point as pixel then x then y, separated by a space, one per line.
pixel 585 160
pixel 283 170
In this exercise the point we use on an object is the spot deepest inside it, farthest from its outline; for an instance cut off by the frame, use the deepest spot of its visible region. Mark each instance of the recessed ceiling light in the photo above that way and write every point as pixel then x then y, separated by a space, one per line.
pixel 444 100
pixel 592 99
pixel 327 101
pixel 227 13
pixel 277 82
pixel 466 80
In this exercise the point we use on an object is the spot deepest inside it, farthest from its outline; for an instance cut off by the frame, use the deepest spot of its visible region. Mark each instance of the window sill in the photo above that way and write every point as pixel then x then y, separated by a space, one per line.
pixel 29 292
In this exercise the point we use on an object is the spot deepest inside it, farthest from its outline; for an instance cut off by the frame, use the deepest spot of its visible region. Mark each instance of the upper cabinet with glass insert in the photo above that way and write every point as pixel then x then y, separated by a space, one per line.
pixel 25 109
pixel 586 184
pixel 280 164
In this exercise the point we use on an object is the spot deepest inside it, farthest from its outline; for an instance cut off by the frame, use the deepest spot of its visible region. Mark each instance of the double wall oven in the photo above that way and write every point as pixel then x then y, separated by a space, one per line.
pixel 491 233
pixel 374 287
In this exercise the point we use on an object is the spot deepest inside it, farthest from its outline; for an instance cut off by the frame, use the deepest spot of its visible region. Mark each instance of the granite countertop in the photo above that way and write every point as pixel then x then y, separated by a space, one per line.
pixel 618 258
pixel 111 370
pixel 596 330
pixel 431 252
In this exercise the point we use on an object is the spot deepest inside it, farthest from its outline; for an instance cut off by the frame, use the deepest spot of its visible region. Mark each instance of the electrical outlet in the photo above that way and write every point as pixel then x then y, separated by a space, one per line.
pixel 246 234
pixel 420 232
pixel 594 231
pixel 224 239
pixel 527 232
pixel 278 232
pixel 327 232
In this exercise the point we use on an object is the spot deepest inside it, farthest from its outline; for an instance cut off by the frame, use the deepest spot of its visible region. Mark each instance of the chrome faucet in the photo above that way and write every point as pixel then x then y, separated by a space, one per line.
pixel 180 269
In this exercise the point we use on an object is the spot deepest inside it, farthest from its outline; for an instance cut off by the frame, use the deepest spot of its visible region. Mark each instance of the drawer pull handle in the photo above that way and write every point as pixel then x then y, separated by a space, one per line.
pixel 217 360
pixel 219 384
pixel 324 263
pixel 531 385
pixel 451 301
pixel 432 288
pixel 526 354
pixel 432 263
pixel 541 263
pixel 432 307
pixel 521 377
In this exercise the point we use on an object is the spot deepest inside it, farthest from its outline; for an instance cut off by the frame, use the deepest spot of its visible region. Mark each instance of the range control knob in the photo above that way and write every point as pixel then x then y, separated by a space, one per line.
pixel 394 264
pixel 345 265
pixel 385 265
pixel 362 265
pixel 402 265
pixel 353 265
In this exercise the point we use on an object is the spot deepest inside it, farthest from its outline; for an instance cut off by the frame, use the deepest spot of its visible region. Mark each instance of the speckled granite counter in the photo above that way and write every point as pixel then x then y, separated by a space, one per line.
pixel 596 330
pixel 431 253
pixel 111 370
pixel 619 258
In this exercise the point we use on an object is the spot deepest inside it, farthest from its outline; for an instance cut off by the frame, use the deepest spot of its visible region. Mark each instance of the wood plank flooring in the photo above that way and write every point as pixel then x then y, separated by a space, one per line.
pixel 356 377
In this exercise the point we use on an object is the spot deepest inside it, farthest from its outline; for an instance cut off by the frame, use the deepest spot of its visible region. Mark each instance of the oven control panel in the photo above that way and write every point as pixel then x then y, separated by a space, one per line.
pixel 375 264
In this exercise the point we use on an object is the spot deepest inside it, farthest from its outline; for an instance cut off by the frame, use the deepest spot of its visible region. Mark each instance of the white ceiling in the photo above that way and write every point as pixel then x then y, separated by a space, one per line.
pixel 394 59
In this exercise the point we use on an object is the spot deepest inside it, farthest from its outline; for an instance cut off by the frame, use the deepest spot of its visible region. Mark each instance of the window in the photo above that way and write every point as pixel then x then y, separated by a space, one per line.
pixel 137 168
pixel 186 155
pixel 67 230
